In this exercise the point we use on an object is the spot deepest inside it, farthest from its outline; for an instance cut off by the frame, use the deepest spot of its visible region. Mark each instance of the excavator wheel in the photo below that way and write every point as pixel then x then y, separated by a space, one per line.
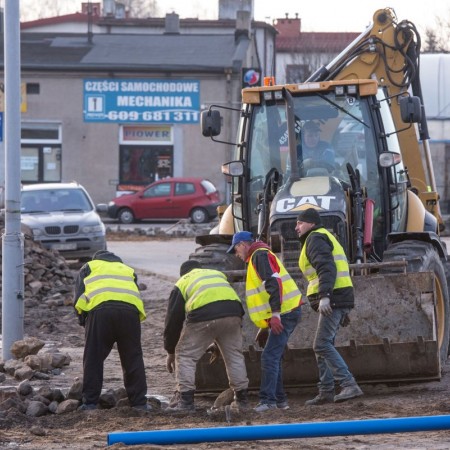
pixel 423 257
pixel 215 256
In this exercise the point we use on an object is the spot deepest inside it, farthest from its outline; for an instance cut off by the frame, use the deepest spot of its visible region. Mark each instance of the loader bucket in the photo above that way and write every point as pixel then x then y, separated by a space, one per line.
pixel 392 337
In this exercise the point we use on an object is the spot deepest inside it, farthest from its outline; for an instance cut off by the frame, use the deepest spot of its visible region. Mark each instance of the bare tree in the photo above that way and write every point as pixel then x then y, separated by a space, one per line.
pixel 437 39
pixel 142 8
pixel 32 10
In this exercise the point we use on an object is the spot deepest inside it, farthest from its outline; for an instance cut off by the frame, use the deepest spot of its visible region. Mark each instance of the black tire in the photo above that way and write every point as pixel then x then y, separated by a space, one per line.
pixel 126 216
pixel 215 256
pixel 423 257
pixel 199 215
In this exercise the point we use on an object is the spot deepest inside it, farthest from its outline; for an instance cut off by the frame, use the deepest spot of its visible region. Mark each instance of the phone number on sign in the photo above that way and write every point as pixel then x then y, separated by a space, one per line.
pixel 154 116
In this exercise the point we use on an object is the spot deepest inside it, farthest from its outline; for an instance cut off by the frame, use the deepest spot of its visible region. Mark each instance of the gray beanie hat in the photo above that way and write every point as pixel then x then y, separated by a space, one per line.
pixel 310 215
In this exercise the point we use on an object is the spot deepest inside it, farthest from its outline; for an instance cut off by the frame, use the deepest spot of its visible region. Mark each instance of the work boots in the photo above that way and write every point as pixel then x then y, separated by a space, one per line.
pixel 348 393
pixel 240 400
pixel 321 398
pixel 184 402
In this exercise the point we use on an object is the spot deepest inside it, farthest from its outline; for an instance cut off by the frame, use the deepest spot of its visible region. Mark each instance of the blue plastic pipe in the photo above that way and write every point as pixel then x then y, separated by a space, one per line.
pixel 281 431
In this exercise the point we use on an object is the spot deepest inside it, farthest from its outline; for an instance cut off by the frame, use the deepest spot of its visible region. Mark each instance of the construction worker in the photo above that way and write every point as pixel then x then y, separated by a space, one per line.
pixel 110 308
pixel 203 308
pixel 330 292
pixel 273 302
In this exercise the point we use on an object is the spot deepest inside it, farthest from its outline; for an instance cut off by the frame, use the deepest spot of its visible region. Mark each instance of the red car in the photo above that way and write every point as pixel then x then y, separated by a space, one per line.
pixel 170 198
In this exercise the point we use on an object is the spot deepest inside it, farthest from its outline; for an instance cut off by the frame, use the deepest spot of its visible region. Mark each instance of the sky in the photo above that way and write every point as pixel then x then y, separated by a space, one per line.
pixel 347 15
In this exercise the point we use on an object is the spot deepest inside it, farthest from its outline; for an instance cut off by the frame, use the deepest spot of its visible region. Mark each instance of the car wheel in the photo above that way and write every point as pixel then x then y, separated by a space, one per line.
pixel 199 215
pixel 125 216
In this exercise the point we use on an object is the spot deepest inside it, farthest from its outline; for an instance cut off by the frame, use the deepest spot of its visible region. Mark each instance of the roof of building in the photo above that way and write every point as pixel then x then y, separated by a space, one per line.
pixel 128 52
pixel 313 42
pixel 63 43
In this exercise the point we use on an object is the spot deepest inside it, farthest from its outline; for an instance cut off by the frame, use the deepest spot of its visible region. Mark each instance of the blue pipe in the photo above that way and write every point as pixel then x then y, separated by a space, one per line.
pixel 281 431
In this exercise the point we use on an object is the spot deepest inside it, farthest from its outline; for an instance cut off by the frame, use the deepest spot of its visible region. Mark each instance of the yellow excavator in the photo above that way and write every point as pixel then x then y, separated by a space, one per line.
pixel 375 191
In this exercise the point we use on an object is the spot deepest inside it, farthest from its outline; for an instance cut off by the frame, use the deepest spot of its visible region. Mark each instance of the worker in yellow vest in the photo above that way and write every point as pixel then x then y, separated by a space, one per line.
pixel 273 303
pixel 109 306
pixel 203 308
pixel 330 292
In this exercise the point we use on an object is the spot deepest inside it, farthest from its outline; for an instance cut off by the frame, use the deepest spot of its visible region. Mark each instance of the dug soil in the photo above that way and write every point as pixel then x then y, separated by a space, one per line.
pixel 90 430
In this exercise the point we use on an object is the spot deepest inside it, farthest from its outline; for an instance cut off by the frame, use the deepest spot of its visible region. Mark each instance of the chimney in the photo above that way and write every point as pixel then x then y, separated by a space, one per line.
pixel 288 27
pixel 228 8
pixel 94 8
pixel 109 8
pixel 243 25
pixel 172 24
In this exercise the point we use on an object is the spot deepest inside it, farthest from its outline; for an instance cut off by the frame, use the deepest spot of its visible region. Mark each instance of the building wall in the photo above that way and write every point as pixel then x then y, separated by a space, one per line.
pixel 90 151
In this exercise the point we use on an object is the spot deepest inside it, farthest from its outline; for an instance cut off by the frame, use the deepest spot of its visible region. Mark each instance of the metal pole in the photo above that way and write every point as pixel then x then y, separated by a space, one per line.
pixel 12 239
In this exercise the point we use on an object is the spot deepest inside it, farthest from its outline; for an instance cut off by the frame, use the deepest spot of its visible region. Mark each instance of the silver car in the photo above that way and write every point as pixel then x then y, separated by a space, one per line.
pixel 63 217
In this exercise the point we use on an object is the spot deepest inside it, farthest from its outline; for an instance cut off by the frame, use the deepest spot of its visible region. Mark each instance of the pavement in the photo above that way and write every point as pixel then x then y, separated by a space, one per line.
pixel 161 257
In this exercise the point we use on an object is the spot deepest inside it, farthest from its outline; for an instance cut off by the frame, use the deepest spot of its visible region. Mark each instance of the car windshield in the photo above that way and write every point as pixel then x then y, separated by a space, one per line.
pixel 51 200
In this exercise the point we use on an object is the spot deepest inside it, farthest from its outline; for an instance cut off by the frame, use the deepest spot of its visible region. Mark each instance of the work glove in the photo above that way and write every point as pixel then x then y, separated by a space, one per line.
pixel 275 324
pixel 170 362
pixel 325 307
pixel 262 336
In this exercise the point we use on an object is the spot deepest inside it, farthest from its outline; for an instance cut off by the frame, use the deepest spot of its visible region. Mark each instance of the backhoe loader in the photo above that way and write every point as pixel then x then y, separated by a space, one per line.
pixel 377 195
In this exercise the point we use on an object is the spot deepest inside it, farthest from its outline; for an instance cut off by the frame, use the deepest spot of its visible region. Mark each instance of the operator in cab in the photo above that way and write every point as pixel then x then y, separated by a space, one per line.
pixel 312 151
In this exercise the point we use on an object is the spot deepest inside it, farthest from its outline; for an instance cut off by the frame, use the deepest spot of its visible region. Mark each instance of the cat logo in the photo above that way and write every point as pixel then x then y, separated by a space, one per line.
pixel 296 204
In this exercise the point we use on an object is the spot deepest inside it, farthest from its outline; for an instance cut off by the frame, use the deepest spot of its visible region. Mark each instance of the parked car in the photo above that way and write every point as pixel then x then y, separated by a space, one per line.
pixel 63 217
pixel 169 198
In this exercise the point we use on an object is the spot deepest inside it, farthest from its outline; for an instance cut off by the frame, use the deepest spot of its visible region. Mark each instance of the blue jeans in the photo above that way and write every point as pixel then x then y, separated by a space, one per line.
pixel 332 366
pixel 271 390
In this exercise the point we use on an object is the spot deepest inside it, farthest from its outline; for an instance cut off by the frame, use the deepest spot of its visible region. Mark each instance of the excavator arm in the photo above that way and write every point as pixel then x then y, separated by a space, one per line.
pixel 388 52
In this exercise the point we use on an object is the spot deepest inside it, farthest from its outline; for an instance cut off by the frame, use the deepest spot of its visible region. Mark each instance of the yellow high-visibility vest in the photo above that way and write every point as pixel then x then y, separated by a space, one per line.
pixel 109 281
pixel 340 260
pixel 199 287
pixel 258 298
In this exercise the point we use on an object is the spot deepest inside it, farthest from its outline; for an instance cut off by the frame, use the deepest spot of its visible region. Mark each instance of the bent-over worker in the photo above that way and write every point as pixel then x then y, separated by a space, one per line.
pixel 110 308
pixel 203 308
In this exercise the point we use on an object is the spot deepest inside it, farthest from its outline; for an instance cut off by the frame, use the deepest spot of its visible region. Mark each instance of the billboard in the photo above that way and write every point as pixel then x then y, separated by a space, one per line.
pixel 141 101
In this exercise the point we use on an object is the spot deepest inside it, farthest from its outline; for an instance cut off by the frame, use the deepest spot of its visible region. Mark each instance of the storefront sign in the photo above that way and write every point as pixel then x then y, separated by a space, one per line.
pixel 152 134
pixel 141 101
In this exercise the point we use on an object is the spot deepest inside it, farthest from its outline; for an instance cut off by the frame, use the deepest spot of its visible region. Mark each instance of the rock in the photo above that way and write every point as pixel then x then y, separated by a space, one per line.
pixel 24 373
pixel 108 399
pixel 67 406
pixel 41 376
pixel 60 360
pixel 36 409
pixel 8 392
pixel 35 287
pixel 25 347
pixel 38 431
pixel 11 365
pixel 33 361
pixel 15 403
pixel 53 407
pixel 75 391
pixel 25 388
pixel 46 361
pixel 2 377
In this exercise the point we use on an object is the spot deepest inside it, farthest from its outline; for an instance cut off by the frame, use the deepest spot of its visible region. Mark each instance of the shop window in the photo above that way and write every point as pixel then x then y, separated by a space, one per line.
pixel 40 163
pixel 141 165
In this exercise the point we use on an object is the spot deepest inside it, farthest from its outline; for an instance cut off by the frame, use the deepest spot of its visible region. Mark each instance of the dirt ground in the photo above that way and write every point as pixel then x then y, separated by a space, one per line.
pixel 90 430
